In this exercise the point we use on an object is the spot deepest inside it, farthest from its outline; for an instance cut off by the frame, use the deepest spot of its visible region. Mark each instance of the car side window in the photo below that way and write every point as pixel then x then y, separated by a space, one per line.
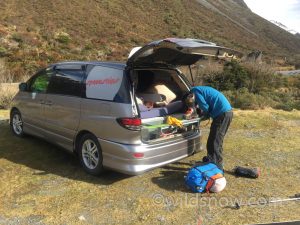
pixel 40 82
pixel 105 83
pixel 67 81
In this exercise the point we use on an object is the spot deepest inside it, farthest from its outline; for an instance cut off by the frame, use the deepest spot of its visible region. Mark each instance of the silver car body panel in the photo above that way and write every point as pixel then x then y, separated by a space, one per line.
pixel 32 111
pixel 61 119
pixel 119 156
pixel 100 118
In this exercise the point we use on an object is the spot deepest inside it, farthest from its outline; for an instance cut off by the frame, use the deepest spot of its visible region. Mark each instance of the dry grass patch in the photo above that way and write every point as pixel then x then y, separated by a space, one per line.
pixel 7 93
pixel 47 186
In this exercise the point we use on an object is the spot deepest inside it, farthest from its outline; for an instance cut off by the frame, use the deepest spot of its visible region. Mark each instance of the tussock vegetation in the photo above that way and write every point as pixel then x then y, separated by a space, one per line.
pixel 5 75
pixel 8 89
pixel 7 92
pixel 253 86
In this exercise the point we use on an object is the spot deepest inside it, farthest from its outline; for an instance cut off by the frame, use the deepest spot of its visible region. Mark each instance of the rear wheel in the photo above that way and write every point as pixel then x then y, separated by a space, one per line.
pixel 16 123
pixel 90 154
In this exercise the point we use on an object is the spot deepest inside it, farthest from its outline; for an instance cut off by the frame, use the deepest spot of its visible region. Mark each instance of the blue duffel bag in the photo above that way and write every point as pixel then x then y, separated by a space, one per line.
pixel 205 177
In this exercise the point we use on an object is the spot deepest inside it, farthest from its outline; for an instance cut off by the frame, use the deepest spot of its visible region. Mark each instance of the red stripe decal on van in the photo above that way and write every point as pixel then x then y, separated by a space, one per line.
pixel 103 81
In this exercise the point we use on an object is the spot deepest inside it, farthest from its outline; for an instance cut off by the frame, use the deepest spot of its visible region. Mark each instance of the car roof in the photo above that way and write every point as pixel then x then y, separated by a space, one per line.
pixel 116 65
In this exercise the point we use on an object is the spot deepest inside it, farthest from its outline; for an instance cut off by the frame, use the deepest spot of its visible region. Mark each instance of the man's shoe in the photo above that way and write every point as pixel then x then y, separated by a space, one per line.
pixel 205 159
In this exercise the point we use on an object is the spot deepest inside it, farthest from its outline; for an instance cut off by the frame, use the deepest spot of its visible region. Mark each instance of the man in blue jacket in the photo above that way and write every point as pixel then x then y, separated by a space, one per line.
pixel 215 105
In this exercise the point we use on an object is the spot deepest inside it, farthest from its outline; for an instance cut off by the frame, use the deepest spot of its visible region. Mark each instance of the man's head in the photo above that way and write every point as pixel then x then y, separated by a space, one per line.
pixel 189 99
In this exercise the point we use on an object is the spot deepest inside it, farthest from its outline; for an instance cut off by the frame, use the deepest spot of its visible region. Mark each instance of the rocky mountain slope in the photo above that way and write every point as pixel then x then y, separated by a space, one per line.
pixel 35 33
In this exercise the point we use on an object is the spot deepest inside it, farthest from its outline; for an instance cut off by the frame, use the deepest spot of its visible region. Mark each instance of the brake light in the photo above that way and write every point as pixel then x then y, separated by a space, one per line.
pixel 130 123
pixel 138 155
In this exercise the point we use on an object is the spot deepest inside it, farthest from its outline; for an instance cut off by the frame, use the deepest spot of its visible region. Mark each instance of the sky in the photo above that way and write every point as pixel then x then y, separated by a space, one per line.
pixel 286 12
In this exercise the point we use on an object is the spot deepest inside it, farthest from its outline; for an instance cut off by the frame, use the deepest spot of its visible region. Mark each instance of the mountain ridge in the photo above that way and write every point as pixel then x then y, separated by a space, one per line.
pixel 281 25
pixel 35 33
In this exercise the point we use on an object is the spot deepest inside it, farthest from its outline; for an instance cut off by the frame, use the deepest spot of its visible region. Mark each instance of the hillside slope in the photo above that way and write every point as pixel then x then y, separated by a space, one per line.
pixel 35 33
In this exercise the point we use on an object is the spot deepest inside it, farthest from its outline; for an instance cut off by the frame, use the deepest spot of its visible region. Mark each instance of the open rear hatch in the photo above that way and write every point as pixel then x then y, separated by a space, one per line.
pixel 178 52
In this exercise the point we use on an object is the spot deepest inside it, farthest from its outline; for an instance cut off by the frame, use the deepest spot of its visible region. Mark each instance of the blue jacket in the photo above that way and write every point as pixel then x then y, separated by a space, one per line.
pixel 211 101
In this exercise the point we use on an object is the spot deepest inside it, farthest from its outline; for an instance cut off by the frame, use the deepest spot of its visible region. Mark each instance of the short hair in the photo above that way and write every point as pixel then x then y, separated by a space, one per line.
pixel 188 99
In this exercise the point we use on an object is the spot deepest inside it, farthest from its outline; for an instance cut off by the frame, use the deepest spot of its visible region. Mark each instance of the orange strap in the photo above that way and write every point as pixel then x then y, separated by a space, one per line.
pixel 211 181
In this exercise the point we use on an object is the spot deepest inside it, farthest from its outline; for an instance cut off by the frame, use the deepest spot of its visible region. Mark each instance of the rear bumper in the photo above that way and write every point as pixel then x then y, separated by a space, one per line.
pixel 119 157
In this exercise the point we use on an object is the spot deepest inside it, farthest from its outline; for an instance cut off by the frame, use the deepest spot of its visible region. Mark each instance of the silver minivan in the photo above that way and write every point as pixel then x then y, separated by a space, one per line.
pixel 116 115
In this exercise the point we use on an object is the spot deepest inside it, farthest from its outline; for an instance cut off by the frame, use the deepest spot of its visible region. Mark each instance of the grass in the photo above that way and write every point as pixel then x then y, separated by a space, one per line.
pixel 4 114
pixel 46 185
pixel 7 92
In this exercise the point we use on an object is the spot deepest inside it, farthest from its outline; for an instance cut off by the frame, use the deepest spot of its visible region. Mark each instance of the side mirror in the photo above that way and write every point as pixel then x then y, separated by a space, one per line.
pixel 23 87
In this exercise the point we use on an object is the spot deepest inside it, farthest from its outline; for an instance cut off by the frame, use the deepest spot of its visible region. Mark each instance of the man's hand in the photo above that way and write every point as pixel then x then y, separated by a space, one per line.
pixel 202 115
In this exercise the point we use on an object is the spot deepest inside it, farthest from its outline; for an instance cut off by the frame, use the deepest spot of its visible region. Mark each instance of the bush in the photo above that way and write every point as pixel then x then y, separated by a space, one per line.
pixel 17 37
pixel 7 93
pixel 287 106
pixel 5 75
pixel 261 77
pixel 233 77
pixel 88 47
pixel 286 100
pixel 3 51
pixel 254 86
pixel 254 77
pixel 62 37
pixel 243 99
pixel 5 100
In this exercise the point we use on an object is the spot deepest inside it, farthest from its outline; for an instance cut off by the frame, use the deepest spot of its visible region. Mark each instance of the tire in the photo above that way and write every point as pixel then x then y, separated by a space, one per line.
pixel 90 154
pixel 16 123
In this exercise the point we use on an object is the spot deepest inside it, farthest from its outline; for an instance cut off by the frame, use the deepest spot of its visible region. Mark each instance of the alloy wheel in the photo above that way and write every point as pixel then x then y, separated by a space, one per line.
pixel 17 124
pixel 90 154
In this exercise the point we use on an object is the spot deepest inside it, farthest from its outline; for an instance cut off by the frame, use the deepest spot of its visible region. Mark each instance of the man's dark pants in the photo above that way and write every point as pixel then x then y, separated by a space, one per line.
pixel 216 136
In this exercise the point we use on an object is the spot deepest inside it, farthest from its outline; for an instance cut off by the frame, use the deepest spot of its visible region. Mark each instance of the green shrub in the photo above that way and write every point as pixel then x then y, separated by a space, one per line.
pixel 243 99
pixel 254 77
pixel 62 37
pixel 287 106
pixel 3 51
pixel 88 47
pixel 254 86
pixel 17 37
pixel 5 100
pixel 261 77
pixel 7 93
pixel 233 77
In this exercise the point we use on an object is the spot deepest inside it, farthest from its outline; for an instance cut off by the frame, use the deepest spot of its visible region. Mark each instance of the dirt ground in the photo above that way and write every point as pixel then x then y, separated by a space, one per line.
pixel 40 184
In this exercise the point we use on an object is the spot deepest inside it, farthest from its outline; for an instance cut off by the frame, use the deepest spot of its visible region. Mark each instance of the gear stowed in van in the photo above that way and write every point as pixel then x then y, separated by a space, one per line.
pixel 158 128
pixel 159 97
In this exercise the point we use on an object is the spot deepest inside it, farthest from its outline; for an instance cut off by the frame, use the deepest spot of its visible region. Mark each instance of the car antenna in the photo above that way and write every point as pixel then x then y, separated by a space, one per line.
pixel 193 83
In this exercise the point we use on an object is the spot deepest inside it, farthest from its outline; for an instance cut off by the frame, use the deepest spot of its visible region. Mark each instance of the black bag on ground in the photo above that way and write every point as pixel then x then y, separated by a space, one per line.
pixel 247 172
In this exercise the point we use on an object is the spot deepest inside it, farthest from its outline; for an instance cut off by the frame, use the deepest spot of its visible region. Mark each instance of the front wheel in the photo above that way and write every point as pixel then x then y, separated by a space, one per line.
pixel 16 123
pixel 90 154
